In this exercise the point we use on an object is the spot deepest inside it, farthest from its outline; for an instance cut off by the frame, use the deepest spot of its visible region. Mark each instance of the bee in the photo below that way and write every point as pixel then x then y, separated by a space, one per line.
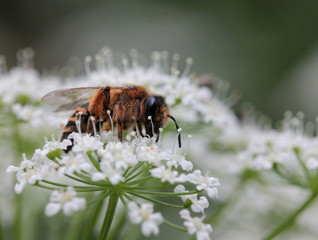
pixel 108 108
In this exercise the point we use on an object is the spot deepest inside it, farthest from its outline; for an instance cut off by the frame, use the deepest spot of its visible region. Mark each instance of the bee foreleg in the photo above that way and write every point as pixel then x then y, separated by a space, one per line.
pixel 118 117
pixel 138 126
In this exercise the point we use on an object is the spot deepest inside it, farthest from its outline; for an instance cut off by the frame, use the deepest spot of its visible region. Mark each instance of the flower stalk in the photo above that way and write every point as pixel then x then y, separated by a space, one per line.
pixel 290 220
pixel 110 212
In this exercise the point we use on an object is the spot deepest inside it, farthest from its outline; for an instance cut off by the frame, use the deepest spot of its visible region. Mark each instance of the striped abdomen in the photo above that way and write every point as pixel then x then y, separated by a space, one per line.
pixel 82 114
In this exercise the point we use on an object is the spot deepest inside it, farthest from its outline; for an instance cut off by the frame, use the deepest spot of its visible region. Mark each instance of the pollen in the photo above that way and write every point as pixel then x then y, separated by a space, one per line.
pixel 66 197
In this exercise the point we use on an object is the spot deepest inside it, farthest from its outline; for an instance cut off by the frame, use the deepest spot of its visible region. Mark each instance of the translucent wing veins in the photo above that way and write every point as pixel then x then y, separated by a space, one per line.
pixel 69 99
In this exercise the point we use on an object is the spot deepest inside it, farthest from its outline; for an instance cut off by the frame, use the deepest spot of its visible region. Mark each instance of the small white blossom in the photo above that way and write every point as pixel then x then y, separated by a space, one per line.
pixel 312 163
pixel 74 163
pixel 167 174
pixel 121 154
pixel 178 159
pixel 206 183
pixel 144 214
pixel 152 154
pixel 27 173
pixel 54 144
pixel 65 201
pixel 84 143
pixel 196 226
pixel 114 175
pixel 198 205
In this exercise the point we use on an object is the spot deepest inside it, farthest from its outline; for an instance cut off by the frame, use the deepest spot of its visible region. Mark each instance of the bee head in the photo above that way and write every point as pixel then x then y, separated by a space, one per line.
pixel 154 107
pixel 157 110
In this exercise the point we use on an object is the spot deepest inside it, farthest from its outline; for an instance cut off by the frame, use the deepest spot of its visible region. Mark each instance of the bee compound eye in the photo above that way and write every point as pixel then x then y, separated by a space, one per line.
pixel 106 89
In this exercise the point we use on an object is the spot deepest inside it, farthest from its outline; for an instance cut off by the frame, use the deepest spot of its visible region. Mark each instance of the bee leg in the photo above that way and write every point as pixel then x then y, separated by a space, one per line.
pixel 82 115
pixel 138 126
pixel 149 128
pixel 118 116
pixel 92 125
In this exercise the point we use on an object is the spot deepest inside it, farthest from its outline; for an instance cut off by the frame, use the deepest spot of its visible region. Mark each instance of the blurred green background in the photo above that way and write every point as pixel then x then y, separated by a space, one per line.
pixel 267 49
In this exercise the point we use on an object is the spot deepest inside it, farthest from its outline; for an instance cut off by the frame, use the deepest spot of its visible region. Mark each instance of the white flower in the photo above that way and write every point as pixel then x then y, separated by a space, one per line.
pixel 28 172
pixel 84 143
pixel 65 201
pixel 114 175
pixel 152 154
pixel 144 214
pixel 196 225
pixel 54 144
pixel 167 174
pixel 74 163
pixel 178 159
pixel 121 154
pixel 312 163
pixel 198 205
pixel 206 183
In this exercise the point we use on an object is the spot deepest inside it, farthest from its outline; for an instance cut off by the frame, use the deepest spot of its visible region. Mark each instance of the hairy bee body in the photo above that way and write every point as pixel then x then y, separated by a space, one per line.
pixel 112 108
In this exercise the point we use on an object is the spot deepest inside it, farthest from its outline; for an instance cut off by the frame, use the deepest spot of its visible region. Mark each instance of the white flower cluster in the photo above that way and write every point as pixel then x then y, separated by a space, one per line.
pixel 291 145
pixel 103 166
pixel 21 90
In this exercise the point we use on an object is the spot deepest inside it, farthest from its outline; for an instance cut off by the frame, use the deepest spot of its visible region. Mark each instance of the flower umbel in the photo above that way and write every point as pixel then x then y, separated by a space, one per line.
pixel 134 172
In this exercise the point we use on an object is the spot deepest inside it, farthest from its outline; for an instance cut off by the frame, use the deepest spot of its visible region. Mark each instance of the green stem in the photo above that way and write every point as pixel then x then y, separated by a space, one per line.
pixel 110 212
pixel 135 168
pixel 168 194
pixel 77 188
pixel 17 225
pixel 88 180
pixel 77 179
pixel 175 226
pixel 103 196
pixel 93 160
pixel 303 166
pixel 139 181
pixel 137 174
pixel 1 231
pixel 290 220
pixel 92 218
pixel 290 178
pixel 122 199
pixel 116 229
pixel 157 201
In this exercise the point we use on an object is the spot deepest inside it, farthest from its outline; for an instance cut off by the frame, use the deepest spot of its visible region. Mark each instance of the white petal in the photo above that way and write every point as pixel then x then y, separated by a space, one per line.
pixel 55 196
pixel 18 188
pixel 12 169
pixel 52 208
pixel 212 192
pixel 149 227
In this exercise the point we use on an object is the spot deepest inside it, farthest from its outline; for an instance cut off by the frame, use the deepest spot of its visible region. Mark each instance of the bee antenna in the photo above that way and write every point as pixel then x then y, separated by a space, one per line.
pixel 178 129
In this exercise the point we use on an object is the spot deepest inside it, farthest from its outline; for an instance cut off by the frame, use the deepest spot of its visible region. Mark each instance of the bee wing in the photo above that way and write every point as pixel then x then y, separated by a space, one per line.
pixel 69 99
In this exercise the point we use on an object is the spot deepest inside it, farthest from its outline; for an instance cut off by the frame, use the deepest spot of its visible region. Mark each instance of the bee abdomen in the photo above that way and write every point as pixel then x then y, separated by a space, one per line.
pixel 81 116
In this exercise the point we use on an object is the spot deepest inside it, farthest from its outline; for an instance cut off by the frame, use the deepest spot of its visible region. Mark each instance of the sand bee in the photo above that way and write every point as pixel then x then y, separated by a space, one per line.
pixel 112 108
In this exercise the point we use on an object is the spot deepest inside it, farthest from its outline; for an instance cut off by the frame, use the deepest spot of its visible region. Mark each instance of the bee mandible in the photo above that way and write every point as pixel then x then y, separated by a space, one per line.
pixel 112 107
